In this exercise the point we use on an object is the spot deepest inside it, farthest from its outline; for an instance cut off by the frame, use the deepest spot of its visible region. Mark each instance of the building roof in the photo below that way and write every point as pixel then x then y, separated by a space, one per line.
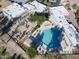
pixel 14 10
pixel 60 20
pixel 29 7
pixel 35 6
pixel 38 6
pixel 60 9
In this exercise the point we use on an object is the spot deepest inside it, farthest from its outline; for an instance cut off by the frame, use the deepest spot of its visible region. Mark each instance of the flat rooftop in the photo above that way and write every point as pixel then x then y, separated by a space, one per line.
pixel 14 10
pixel 61 21
pixel 38 6
pixel 60 9
pixel 29 7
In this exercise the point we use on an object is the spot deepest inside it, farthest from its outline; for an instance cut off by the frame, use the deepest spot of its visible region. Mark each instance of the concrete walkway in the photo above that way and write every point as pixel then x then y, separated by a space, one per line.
pixel 12 47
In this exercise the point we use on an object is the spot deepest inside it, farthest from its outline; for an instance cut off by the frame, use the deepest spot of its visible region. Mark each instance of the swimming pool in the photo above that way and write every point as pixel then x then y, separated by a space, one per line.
pixel 50 37
pixel 47 37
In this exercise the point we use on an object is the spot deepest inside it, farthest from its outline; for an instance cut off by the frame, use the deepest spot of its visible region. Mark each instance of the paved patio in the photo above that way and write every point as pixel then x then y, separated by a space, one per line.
pixel 12 47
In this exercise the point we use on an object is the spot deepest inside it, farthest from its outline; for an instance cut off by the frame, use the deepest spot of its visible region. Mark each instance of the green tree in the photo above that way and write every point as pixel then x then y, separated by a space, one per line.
pixel 39 19
pixel 31 52
pixel 68 6
pixel 5 56
pixel 77 14
pixel 74 6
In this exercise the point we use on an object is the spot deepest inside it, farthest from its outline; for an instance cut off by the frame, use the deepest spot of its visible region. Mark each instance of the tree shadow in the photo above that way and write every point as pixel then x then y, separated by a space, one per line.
pixel 19 56
pixel 14 56
pixel 4 50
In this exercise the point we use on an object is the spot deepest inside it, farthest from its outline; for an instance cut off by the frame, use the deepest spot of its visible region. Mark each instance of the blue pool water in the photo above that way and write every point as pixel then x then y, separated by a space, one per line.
pixel 47 37
pixel 50 37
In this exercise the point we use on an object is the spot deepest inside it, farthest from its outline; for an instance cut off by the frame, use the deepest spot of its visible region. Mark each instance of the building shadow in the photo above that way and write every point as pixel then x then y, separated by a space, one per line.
pixel 37 41
pixel 4 50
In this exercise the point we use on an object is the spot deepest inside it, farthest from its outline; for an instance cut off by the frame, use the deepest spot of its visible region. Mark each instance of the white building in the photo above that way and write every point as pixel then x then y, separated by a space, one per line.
pixel 15 14
pixel 71 36
pixel 42 48
pixel 14 11
pixel 35 7
pixel 38 6
pixel 21 12
pixel 29 7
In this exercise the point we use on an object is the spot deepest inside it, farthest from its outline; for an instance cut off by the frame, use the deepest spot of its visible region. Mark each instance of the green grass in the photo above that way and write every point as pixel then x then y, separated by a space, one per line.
pixel 39 19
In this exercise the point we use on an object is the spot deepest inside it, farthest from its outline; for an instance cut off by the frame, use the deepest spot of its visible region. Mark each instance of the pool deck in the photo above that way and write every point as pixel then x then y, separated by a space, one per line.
pixel 46 25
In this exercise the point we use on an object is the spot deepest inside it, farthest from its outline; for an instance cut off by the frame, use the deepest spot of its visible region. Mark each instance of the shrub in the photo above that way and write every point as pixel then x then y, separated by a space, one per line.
pixel 31 52
pixel 68 6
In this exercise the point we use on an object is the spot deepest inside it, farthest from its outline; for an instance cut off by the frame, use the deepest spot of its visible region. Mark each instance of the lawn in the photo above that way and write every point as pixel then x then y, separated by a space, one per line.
pixel 39 18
